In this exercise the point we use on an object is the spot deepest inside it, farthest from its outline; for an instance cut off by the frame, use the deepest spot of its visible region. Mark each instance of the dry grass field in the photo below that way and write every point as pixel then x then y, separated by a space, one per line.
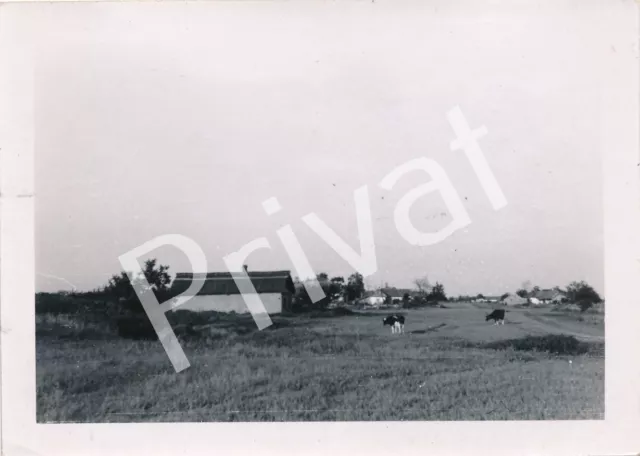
pixel 449 365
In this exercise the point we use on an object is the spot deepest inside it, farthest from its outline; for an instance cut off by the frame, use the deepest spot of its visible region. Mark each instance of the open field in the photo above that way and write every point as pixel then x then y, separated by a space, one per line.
pixel 450 365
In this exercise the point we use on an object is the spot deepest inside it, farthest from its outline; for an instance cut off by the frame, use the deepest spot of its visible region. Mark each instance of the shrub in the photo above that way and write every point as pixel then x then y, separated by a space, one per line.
pixel 597 308
pixel 188 317
pixel 437 294
pixel 337 312
pixel 56 304
pixel 418 301
pixel 559 344
pixel 63 326
pixel 302 302
pixel 585 305
pixel 135 327
pixel 74 304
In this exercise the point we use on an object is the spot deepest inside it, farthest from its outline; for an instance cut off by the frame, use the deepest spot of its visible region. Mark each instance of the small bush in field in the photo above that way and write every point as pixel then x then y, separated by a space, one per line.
pixel 56 304
pixel 585 305
pixel 135 327
pixel 187 317
pixel 68 326
pixel 337 312
pixel 558 344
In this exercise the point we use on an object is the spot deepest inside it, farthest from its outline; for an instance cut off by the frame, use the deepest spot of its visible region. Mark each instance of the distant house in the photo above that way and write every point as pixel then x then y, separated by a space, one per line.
pixel 220 291
pixel 559 298
pixel 396 295
pixel 492 298
pixel 514 300
pixel 548 295
pixel 372 298
pixel 392 294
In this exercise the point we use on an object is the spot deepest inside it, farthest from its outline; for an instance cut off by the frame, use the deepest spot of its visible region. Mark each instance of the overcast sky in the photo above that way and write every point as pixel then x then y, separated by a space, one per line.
pixel 176 118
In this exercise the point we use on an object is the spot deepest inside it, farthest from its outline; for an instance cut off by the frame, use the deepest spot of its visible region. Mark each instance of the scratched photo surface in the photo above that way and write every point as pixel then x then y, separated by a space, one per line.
pixel 317 212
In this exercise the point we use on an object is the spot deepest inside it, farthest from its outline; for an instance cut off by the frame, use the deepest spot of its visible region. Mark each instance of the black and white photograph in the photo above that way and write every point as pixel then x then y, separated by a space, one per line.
pixel 322 211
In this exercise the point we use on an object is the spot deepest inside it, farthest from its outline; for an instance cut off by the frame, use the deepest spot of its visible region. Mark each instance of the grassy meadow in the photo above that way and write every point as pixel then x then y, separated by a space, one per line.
pixel 449 365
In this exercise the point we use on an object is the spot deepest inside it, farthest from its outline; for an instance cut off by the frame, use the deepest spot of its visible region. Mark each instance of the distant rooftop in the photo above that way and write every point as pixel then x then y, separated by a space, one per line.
pixel 222 275
pixel 546 294
pixel 224 283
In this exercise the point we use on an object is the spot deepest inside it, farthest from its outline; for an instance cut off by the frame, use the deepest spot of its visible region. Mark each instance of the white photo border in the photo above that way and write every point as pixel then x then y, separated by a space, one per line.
pixel 616 434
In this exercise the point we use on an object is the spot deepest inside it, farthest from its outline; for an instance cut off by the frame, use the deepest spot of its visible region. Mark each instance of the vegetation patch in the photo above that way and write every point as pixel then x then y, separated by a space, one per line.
pixel 558 344
pixel 329 313
pixel 61 326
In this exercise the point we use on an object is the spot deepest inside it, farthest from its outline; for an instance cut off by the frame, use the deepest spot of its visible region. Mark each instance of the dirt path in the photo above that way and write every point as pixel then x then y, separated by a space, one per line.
pixel 551 325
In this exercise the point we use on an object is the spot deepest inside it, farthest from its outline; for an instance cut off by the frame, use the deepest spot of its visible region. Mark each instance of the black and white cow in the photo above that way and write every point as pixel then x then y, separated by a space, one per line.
pixel 396 322
pixel 497 316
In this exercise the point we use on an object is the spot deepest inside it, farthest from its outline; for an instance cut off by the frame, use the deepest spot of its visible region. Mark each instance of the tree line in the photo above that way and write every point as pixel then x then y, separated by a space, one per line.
pixel 119 289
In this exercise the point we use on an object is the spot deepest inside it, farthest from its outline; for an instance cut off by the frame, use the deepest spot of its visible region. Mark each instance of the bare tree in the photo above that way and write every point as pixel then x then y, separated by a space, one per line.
pixel 423 284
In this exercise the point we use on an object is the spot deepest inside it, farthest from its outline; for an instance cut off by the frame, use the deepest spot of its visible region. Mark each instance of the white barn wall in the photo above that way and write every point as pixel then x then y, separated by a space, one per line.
pixel 373 300
pixel 232 303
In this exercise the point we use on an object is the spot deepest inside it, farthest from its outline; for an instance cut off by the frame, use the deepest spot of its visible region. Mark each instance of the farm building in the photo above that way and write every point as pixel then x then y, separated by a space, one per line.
pixel 372 298
pixel 220 291
pixel 547 296
pixel 392 294
pixel 560 298
pixel 396 295
pixel 514 300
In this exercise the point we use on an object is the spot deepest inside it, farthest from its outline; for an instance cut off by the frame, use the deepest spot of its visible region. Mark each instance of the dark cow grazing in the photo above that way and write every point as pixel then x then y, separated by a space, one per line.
pixel 497 316
pixel 396 322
